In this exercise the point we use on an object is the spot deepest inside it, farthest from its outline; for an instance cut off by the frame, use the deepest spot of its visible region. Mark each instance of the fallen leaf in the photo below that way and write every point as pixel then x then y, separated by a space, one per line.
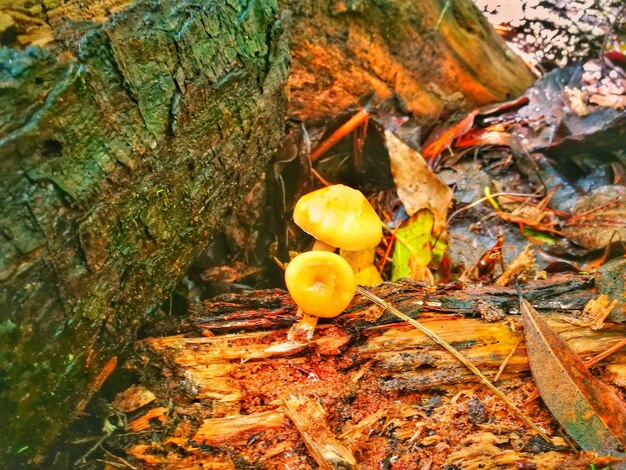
pixel 610 101
pixel 418 187
pixel 413 249
pixel 591 412
pixel 576 99
pixel 594 313
pixel 523 262
pixel 482 137
pixel 441 140
pixel 132 399
pixel 598 218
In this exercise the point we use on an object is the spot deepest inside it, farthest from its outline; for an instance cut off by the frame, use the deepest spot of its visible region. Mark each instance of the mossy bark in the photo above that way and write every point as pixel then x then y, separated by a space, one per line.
pixel 123 145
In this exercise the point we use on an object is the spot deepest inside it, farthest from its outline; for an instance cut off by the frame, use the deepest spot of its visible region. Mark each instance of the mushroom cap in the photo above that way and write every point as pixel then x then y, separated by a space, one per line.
pixel 321 283
pixel 340 216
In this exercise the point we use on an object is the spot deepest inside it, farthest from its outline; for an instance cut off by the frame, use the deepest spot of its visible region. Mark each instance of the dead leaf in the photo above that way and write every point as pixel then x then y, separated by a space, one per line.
pixel 594 313
pixel 523 262
pixel 483 137
pixel 418 187
pixel 598 218
pixel 441 140
pixel 132 399
pixel 610 101
pixel 576 99
pixel 591 412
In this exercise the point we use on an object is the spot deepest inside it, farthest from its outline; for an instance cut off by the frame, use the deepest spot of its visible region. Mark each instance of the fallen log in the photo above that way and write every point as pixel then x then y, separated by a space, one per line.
pixel 343 50
pixel 364 391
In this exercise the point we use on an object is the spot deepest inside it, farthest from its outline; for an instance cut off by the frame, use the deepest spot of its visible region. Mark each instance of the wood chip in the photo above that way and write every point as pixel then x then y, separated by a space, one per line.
pixel 132 399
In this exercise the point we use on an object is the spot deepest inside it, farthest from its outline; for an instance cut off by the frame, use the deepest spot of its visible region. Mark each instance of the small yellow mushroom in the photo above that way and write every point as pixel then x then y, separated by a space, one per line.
pixel 341 217
pixel 322 284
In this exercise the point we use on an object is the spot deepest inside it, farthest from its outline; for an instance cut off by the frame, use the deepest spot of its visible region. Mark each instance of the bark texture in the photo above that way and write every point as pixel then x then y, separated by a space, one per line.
pixel 123 145
pixel 438 56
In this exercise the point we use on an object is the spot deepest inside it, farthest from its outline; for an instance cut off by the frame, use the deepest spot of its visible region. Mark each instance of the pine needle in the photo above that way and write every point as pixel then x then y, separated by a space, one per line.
pixel 447 346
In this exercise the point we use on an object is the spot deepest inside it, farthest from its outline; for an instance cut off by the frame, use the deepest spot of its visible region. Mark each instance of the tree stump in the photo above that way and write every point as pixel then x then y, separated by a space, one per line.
pixel 124 145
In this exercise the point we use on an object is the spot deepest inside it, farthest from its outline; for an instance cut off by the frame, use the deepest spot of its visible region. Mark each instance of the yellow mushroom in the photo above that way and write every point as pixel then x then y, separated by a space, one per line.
pixel 341 217
pixel 322 284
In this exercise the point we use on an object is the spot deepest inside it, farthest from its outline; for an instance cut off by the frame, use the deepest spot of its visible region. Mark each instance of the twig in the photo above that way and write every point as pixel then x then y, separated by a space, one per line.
pixel 594 360
pixel 508 358
pixel 125 462
pixel 448 347
pixel 83 460
pixel 320 177
pixel 445 8
pixel 339 134
pixel 487 198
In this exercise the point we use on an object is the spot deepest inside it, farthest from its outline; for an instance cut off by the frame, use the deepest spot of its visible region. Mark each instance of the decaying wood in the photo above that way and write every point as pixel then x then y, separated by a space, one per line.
pixel 436 55
pixel 309 417
pixel 366 390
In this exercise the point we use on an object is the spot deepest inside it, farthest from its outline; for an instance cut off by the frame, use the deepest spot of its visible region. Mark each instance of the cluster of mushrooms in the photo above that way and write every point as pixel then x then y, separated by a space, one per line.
pixel 321 282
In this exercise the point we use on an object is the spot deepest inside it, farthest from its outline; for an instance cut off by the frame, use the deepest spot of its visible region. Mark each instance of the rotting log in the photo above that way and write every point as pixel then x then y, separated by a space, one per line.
pixel 438 56
pixel 124 144
pixel 131 129
pixel 363 391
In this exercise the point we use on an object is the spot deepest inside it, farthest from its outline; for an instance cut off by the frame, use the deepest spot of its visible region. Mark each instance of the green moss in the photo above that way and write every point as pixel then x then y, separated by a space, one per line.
pixel 100 212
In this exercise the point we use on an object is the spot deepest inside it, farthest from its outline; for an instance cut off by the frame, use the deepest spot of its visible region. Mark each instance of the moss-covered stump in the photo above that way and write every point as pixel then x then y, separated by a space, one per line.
pixel 124 141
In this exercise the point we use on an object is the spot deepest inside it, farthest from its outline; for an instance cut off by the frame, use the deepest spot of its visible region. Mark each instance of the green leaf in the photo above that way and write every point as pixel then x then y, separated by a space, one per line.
pixel 413 243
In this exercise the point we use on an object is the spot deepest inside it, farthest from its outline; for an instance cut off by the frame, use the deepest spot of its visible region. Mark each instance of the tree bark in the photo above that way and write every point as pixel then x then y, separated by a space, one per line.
pixel 131 130
pixel 123 145
pixel 438 56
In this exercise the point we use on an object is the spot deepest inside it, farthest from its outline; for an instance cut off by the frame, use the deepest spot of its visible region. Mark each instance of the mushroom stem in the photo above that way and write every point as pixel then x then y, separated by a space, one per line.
pixel 319 245
pixel 306 327
pixel 362 263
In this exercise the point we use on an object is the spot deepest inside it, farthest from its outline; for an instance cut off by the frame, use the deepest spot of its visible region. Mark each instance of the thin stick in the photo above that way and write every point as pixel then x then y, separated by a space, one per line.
pixel 448 347
pixel 483 199
pixel 125 462
pixel 508 358
pixel 594 360
pixel 339 134
pixel 320 177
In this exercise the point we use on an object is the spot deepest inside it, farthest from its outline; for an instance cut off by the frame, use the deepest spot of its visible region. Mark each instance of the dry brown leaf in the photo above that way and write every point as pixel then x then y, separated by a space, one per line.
pixel 610 101
pixel 594 313
pixel 523 262
pixel 418 187
pixel 132 399
pixel 598 218
pixel 591 412
pixel 419 272
pixel 576 99
pixel 443 138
